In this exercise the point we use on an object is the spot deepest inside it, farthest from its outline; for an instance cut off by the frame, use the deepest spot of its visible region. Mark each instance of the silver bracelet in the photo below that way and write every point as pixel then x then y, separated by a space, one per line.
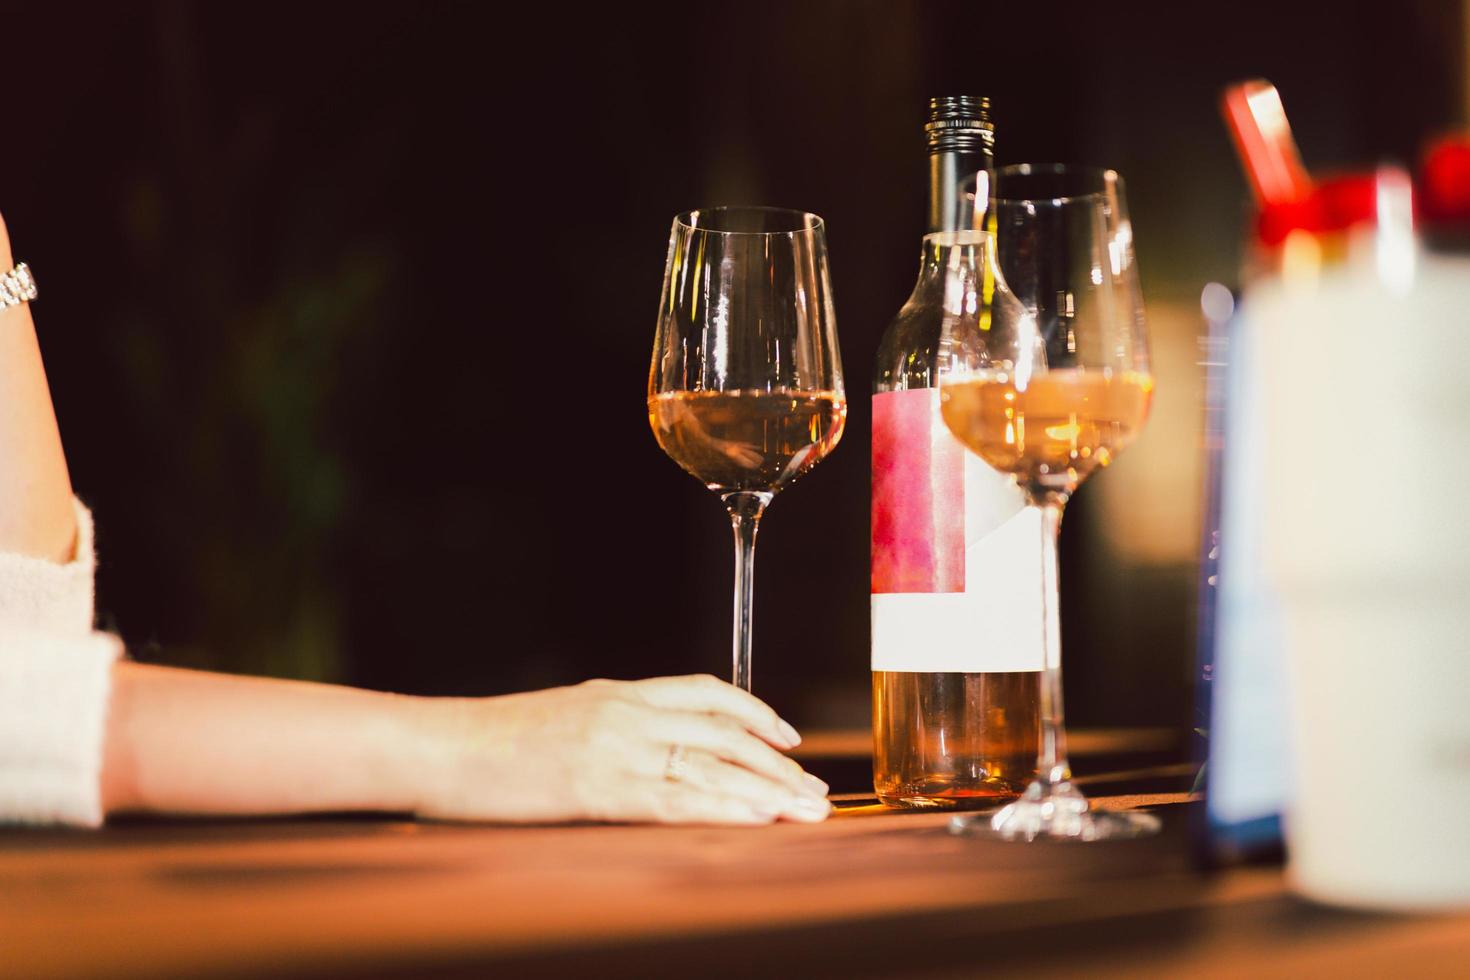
pixel 17 286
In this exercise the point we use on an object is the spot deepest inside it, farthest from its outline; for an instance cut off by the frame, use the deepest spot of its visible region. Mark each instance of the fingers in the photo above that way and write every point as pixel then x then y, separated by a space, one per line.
pixel 682 803
pixel 734 774
pixel 727 739
pixel 719 778
pixel 702 692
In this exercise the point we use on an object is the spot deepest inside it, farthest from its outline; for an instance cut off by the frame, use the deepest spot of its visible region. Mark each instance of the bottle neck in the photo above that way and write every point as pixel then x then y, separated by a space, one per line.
pixel 942 251
pixel 946 171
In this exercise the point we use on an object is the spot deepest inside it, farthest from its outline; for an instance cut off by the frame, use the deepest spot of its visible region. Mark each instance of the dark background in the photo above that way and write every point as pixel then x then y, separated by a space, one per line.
pixel 348 308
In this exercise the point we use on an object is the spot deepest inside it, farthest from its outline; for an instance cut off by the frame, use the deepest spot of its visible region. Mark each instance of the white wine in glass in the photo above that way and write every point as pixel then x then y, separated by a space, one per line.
pixel 747 440
pixel 1044 374
pixel 1051 430
pixel 745 391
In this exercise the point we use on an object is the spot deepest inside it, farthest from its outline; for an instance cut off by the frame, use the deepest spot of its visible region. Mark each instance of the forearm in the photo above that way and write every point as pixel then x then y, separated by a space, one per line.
pixel 671 749
pixel 35 491
pixel 185 741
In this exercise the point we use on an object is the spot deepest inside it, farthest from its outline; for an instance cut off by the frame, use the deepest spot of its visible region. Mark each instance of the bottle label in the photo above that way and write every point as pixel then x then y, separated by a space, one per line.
pixel 956 559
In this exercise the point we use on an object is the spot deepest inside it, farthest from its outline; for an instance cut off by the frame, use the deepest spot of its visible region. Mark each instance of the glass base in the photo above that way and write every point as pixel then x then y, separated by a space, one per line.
pixel 948 792
pixel 1058 811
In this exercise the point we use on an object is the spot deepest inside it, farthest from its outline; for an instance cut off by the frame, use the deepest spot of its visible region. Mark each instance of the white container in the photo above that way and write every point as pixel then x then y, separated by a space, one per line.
pixel 1365 380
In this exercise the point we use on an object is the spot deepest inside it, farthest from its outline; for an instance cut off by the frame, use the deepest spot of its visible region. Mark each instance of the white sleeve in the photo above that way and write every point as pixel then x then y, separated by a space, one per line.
pixel 54 689
pixel 51 596
pixel 55 681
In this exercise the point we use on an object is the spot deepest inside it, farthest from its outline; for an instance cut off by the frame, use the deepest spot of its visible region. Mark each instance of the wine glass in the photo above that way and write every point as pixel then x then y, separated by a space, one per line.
pixel 1044 373
pixel 745 392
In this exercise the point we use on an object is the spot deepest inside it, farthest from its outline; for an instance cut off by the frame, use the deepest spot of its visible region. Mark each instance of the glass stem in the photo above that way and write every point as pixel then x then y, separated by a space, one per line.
pixel 745 508
pixel 1051 764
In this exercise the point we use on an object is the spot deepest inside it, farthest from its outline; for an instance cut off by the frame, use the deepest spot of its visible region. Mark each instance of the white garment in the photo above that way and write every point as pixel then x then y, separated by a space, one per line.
pixel 55 678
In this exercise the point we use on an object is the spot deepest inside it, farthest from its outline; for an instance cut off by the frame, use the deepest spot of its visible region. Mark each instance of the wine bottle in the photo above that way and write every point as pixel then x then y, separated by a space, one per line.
pixel 955 559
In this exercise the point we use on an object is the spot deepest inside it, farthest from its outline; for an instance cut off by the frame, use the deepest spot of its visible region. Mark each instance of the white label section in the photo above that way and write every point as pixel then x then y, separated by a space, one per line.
pixel 993 626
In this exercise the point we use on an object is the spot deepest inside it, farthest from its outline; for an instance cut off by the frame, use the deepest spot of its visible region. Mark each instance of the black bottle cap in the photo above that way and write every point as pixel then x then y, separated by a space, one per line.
pixel 960 124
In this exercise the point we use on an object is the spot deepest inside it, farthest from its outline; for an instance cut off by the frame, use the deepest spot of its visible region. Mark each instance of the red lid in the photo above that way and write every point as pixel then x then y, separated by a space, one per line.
pixel 1333 205
pixel 1444 192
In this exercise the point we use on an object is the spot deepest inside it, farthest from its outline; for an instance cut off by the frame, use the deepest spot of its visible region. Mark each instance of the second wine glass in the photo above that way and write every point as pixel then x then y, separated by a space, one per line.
pixel 745 391
pixel 1044 374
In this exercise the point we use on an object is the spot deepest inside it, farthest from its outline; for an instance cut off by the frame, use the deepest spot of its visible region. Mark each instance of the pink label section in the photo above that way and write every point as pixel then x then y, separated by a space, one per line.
pixel 918 496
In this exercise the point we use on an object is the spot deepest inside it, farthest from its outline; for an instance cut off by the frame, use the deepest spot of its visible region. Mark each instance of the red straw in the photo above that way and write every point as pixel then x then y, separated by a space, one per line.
pixel 1262 137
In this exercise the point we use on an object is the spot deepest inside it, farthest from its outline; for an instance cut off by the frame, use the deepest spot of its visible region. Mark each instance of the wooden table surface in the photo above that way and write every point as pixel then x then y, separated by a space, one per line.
pixel 869 892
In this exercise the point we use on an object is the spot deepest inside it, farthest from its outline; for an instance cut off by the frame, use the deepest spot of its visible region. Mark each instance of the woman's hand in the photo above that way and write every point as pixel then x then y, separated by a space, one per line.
pixel 602 750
